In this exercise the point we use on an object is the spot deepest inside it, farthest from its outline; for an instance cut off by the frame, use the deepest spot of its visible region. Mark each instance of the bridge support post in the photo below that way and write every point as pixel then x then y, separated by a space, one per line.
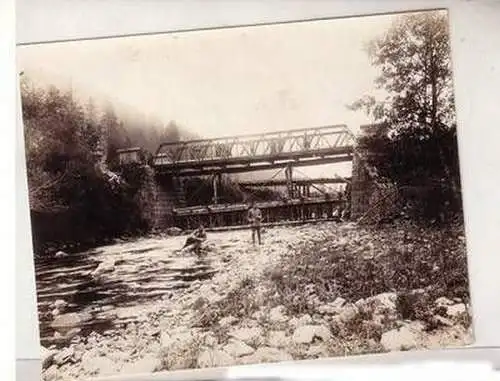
pixel 216 182
pixel 289 183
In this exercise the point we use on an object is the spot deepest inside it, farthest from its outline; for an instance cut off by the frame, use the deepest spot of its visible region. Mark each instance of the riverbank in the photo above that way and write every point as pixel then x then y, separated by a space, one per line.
pixel 309 291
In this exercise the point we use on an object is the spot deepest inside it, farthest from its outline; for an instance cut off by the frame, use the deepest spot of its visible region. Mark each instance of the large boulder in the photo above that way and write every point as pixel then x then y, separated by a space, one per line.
pixel 103 268
pixel 178 349
pixel 443 302
pixel 227 321
pixel 307 333
pixel 347 313
pixel 381 304
pixel 61 254
pixel 213 358
pixel 303 320
pixel 70 320
pixel 51 374
pixel 147 364
pixel 249 336
pixel 98 365
pixel 278 339
pixel 174 231
pixel 403 338
pixel 64 356
pixel 333 307
pixel 456 310
pixel 277 315
pixel 266 355
pixel 237 348
pixel 47 356
pixel 60 304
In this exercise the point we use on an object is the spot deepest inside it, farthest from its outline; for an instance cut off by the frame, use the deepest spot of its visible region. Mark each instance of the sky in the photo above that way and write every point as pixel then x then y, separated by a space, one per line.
pixel 224 81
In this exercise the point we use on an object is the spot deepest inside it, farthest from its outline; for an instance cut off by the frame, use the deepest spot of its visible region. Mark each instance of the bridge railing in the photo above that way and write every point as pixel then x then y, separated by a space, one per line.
pixel 273 144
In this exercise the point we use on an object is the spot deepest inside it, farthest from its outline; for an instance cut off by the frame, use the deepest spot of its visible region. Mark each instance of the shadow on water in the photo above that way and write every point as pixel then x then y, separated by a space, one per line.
pixel 138 278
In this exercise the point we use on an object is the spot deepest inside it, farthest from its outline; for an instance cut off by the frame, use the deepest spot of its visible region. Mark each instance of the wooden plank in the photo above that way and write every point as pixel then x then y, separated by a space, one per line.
pixel 223 208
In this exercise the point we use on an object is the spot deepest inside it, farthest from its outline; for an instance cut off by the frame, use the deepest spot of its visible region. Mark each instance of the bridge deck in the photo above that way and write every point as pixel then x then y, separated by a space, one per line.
pixel 245 153
pixel 296 210
pixel 284 182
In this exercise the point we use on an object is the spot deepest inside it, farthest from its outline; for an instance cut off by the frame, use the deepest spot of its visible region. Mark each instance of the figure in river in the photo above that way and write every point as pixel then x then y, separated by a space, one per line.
pixel 195 240
pixel 255 219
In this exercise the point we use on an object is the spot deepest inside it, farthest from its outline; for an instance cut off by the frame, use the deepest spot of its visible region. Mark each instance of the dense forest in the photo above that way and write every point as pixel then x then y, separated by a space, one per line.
pixel 79 196
pixel 76 199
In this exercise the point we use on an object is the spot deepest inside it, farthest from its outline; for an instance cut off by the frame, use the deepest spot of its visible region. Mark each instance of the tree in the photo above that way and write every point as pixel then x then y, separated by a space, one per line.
pixel 70 201
pixel 415 66
pixel 417 143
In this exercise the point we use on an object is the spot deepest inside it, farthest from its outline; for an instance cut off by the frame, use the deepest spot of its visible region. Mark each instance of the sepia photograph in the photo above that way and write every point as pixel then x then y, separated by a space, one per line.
pixel 246 195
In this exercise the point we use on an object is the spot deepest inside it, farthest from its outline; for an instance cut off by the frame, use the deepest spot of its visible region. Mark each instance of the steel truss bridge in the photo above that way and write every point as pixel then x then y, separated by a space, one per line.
pixel 246 153
pixel 257 152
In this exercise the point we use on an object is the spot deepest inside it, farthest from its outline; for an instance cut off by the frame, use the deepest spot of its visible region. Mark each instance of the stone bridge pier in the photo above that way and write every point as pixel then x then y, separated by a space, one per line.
pixel 363 187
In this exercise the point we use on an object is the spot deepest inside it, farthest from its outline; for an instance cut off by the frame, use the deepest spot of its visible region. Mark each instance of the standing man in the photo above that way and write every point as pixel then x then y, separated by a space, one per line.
pixel 255 218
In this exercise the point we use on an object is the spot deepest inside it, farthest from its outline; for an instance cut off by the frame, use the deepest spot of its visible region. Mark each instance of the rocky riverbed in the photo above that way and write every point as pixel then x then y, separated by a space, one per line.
pixel 138 307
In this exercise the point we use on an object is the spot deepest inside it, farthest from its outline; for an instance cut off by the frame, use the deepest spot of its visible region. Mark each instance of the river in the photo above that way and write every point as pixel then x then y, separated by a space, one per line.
pixel 145 271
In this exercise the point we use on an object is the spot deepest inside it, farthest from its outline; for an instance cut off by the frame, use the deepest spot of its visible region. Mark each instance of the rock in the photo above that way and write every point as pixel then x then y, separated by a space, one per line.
pixel 227 321
pixel 174 231
pixel 258 315
pixel 46 356
pixel 403 338
pixel 168 341
pixel 360 303
pixel 61 254
pixel 247 335
pixel 64 356
pixel 72 333
pixel 303 320
pixel 456 310
pixel 278 339
pixel 51 374
pixel 317 351
pixel 277 315
pixel 70 320
pixel 382 304
pixel 347 313
pixel 97 365
pixel 60 304
pixel 327 309
pixel 238 348
pixel 147 364
pixel 443 321
pixel 443 302
pixel 416 326
pixel 266 355
pixel 103 268
pixel 213 358
pixel 338 302
pixel 293 322
pixel 307 333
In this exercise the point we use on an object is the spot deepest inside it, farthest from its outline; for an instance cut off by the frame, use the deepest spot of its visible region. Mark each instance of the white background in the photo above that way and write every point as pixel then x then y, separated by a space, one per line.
pixel 475 27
